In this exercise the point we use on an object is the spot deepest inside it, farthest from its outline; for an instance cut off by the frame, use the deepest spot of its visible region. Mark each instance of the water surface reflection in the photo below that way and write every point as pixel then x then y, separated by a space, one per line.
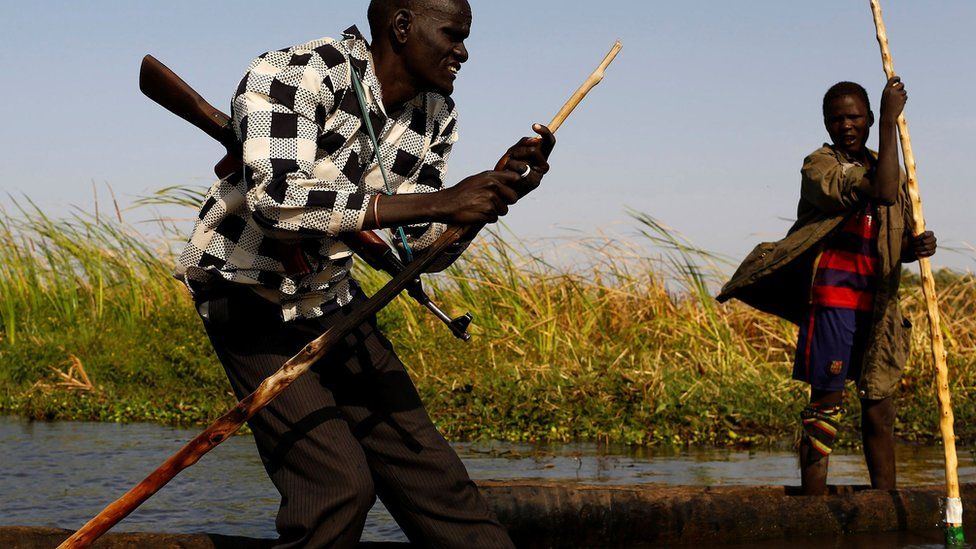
pixel 62 474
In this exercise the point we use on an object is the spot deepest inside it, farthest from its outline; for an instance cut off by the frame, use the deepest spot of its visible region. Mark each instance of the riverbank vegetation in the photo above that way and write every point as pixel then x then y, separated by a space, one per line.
pixel 625 347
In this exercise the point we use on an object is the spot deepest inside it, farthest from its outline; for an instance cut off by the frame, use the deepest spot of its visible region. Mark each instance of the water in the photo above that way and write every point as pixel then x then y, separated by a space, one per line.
pixel 62 474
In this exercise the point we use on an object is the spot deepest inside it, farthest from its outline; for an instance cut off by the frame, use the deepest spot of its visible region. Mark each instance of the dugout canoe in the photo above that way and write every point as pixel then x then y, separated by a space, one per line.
pixel 559 514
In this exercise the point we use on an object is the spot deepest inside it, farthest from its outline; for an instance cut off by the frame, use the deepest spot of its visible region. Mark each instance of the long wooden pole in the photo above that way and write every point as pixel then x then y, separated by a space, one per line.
pixel 585 88
pixel 954 532
pixel 277 382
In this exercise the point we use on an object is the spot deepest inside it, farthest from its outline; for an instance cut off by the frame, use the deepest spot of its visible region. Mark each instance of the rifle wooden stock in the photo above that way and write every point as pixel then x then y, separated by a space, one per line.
pixel 163 86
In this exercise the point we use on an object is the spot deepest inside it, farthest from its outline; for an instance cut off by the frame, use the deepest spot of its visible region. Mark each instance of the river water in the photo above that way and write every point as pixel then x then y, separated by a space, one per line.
pixel 61 474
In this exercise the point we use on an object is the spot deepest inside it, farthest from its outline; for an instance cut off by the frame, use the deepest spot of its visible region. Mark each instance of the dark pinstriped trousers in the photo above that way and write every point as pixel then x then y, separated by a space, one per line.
pixel 350 429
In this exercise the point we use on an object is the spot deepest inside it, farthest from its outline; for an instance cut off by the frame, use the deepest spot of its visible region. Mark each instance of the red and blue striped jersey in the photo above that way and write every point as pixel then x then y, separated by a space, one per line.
pixel 848 266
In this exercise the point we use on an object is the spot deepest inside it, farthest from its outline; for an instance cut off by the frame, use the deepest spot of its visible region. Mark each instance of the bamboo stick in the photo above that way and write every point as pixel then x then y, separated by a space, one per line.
pixel 591 81
pixel 953 517
pixel 291 370
pixel 585 88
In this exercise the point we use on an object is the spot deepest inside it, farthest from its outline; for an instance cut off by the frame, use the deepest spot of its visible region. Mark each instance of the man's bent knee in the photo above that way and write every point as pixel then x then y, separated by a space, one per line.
pixel 359 494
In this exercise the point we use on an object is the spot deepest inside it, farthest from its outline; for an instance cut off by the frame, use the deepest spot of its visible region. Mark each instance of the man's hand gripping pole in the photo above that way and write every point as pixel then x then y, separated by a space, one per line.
pixel 291 370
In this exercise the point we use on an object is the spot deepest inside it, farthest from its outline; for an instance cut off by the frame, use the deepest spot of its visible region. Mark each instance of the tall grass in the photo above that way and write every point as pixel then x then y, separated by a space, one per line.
pixel 624 346
pixel 74 270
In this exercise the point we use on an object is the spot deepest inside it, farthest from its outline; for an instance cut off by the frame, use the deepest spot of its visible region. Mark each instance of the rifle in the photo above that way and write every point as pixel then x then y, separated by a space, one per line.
pixel 163 86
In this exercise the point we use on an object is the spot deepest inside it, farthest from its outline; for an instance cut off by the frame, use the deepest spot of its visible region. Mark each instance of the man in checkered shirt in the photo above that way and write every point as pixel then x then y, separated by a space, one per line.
pixel 269 273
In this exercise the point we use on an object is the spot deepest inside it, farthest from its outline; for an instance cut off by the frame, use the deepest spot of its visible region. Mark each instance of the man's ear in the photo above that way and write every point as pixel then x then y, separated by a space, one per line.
pixel 870 119
pixel 402 24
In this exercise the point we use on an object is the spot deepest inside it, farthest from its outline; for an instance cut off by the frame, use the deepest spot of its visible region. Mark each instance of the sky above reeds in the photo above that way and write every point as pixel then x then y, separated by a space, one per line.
pixel 702 122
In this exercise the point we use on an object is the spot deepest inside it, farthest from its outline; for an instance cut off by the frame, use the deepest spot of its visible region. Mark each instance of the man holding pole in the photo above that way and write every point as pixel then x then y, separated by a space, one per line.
pixel 836 275
pixel 343 136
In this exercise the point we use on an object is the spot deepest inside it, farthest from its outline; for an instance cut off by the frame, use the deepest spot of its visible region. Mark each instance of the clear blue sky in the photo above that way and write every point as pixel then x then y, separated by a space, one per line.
pixel 702 121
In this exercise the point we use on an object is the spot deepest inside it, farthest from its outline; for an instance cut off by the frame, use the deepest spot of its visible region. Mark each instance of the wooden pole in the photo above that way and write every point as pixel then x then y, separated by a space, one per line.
pixel 591 81
pixel 585 88
pixel 291 370
pixel 953 518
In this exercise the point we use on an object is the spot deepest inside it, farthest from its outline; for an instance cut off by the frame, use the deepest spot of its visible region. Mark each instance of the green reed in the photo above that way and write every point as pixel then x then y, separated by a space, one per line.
pixel 74 270
pixel 625 345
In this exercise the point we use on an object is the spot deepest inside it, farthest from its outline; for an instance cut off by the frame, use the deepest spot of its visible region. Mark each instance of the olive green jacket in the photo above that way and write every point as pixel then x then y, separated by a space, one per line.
pixel 776 277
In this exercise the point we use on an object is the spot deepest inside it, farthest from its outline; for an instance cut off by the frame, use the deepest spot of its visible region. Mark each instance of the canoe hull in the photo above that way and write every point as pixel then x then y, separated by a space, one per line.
pixel 554 514
pixel 550 514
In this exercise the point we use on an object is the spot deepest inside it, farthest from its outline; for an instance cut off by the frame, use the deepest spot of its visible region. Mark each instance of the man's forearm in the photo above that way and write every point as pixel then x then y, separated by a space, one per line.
pixel 400 210
pixel 410 209
pixel 887 175
pixel 883 186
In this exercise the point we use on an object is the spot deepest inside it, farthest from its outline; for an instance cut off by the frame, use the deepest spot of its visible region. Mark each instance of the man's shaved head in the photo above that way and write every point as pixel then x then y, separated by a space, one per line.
pixel 381 11
pixel 419 44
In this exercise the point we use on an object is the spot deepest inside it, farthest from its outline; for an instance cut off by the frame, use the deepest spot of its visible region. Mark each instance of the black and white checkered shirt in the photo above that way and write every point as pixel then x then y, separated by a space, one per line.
pixel 310 174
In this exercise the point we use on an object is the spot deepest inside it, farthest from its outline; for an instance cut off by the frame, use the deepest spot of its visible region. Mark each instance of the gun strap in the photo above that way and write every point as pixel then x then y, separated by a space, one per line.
pixel 357 85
